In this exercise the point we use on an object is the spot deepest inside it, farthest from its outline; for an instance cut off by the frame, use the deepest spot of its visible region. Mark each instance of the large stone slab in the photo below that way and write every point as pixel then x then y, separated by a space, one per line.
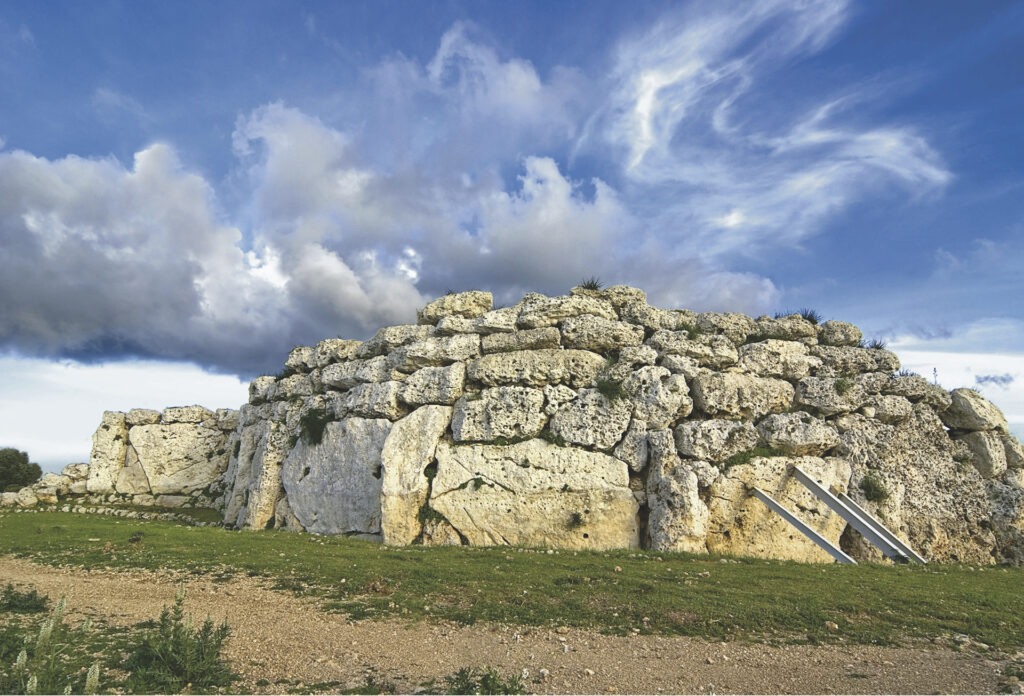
pixel 739 395
pixel 600 335
pixel 109 447
pixel 535 368
pixel 658 396
pixel 851 360
pixel 714 440
pixel 678 519
pixel 334 486
pixel 529 339
pixel 592 420
pixel 537 311
pixel 256 483
pixel 970 410
pixel 469 305
pixel 434 385
pixel 507 412
pixel 797 434
pixel 775 358
pixel 435 352
pixel 716 352
pixel 179 457
pixel 535 494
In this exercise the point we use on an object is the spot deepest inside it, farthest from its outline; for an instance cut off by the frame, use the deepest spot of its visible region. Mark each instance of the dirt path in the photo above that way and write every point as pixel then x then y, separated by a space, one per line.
pixel 276 635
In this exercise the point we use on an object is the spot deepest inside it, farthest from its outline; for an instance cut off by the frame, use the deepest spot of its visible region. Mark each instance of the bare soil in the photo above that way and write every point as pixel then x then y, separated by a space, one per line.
pixel 277 636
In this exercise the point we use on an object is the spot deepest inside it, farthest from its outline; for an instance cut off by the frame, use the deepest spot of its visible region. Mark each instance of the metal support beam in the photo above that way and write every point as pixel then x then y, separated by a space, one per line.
pixel 821 541
pixel 882 529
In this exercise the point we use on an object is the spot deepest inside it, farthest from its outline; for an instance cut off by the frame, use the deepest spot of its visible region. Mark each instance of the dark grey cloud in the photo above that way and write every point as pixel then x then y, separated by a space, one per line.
pixel 1003 380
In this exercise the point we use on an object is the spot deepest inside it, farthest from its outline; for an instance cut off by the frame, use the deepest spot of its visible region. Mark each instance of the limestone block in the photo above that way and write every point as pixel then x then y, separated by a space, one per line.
pixel 186 414
pixel 714 440
pixel 589 332
pixel 497 321
pixel 742 525
pixel 797 434
pixel 294 386
pixel 712 351
pixel 678 519
pixel 76 471
pixel 171 501
pixel 179 457
pixel 535 368
pixel 970 410
pixel 746 396
pixel 680 365
pixel 1006 502
pixel 334 487
pixel 530 339
pixel 851 360
pixel 259 389
pixel 916 388
pixel 227 419
pixel 1013 451
pixel 591 420
pixel 535 494
pixel 791 327
pixel 653 318
pixel 141 416
pixel 58 482
pixel 45 494
pixel 301 359
pixel 617 295
pixel 332 350
pixel 839 333
pixel 8 499
pixel 706 472
pixel 555 395
pixel 775 358
pixel 284 518
pixel 659 397
pixel 499 412
pixel 143 500
pixel 987 452
pixel 890 408
pixel 735 327
pixel 78 488
pixel 26 498
pixel 435 352
pixel 375 401
pixel 828 396
pixel 450 326
pixel 470 305
pixel 389 338
pixel 350 374
pixel 256 486
pixel 633 447
pixel 132 479
pixel 407 451
pixel 434 385
pixel 440 532
pixel 537 311
pixel 109 444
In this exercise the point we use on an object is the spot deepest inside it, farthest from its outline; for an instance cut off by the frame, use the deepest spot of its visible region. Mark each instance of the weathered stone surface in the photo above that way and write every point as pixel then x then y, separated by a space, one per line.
pixel 468 305
pixel 839 333
pixel 284 518
pixel 407 451
pixel 435 352
pixel 735 327
pixel 374 401
pixel 633 447
pixel 535 494
pixel 132 479
pixel 916 388
pixel 334 487
pixel 775 358
pixel 746 396
pixel 797 434
pixel 57 482
pixel 170 501
pixel 678 519
pixel 257 482
pixel 792 327
pixel 76 471
pixel 1006 502
pixel 617 295
pixel 555 395
pixel 680 365
pixel 26 498
pixel 438 531
pixel 9 499
pixel 658 396
pixel 109 445
pixel 1013 451
pixel 741 524
pixel 259 389
pixel 350 374
pixel 530 339
pixel 141 416
pixel 708 350
pixel 589 332
pixel 850 360
pixel 499 412
pixel 535 368
pixel 301 359
pixel 714 440
pixel 654 318
pixel 186 414
pixel 970 410
pixel 391 337
pixel 537 311
pixel 434 385
pixel 591 420
pixel 291 387
pixel 988 454
pixel 178 457
pixel 450 326
pixel 332 350
pixel 498 321
pixel 828 396
pixel 891 408
pixel 227 419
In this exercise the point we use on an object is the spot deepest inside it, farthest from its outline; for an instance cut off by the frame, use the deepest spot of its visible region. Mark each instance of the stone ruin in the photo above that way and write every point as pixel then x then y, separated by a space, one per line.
pixel 587 421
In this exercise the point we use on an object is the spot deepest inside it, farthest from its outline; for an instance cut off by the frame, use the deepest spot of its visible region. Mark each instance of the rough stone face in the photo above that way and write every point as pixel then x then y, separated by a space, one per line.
pixel 970 410
pixel 774 358
pixel 678 519
pixel 535 368
pixel 76 471
pixel 1006 500
pixel 535 494
pixel 450 326
pixel 655 319
pixel 987 452
pixel 257 482
pixel 391 337
pixel 741 524
pixel 499 412
pixel 178 457
pixel 890 408
pixel 435 352
pixel 109 446
pixel 375 401
pixel 735 327
pixel 291 387
pixel 709 351
pixel 439 532
pixel 407 451
pixel 301 359
pixel 332 350
pixel 916 388
pixel 468 305
pixel 555 395
pixel 334 487
pixel 746 396
pixel 633 448
pixel 839 333
pixel 679 365
pixel 26 498
pixel 792 327
pixel 259 389
pixel 591 420
pixel 9 499
pixel 497 321
pixel 617 295
pixel 598 334
pixel 1013 451
pixel 132 479
pixel 714 440
pixel 797 434
pixel 849 360
pixel 434 385
pixel 659 397
pixel 186 414
pixel 537 311
pixel 530 339
pixel 141 416
pixel 353 373
pixel 831 395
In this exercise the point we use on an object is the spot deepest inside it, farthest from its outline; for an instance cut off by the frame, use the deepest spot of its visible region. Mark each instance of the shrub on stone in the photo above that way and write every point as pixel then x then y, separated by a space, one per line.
pixel 873 488
pixel 810 315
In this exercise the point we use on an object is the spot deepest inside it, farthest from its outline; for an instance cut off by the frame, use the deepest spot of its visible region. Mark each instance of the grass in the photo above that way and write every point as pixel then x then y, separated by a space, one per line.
pixel 682 594
pixel 476 681
pixel 810 315
pixel 745 457
pixel 592 283
pixel 842 385
pixel 15 602
pixel 611 389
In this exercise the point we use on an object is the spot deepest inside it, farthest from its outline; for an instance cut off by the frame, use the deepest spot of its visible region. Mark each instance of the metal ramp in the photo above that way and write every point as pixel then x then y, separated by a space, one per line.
pixel 856 516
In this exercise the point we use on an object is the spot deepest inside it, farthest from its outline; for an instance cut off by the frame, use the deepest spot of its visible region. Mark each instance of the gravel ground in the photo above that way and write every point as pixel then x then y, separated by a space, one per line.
pixel 278 636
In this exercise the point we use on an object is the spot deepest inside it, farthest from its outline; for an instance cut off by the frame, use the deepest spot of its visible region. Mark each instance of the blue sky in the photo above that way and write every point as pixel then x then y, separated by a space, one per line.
pixel 193 188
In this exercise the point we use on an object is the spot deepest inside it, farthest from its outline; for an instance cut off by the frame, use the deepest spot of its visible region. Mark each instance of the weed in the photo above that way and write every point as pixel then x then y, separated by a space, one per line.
pixel 553 438
pixel 21 602
pixel 429 514
pixel 842 385
pixel 449 291
pixel 905 373
pixel 611 389
pixel 745 457
pixel 810 315
pixel 873 488
pixel 692 330
pixel 312 424
pixel 507 441
pixel 592 283
pixel 476 681
pixel 876 344
pixel 175 654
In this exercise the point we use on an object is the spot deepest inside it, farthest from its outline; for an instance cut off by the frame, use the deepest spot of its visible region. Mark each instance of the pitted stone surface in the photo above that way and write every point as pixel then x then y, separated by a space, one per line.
pixel 435 352
pixel 332 350
pixel 850 360
pixel 537 311
pixel 775 358
pixel 589 332
pixel 468 305
pixel 507 412
pixel 591 420
pixel 970 410
pixel 391 337
pixel 735 327
pixel 746 396
pixel 535 368
pixel 839 333
pixel 678 519
pixel 797 434
pixel 142 416
pixel 109 446
pixel 714 440
pixel 659 397
pixel 987 452
pixel 528 339
pixel 434 385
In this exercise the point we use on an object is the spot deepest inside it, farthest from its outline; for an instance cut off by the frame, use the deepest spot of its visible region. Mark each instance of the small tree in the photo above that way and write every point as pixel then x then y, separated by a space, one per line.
pixel 15 469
